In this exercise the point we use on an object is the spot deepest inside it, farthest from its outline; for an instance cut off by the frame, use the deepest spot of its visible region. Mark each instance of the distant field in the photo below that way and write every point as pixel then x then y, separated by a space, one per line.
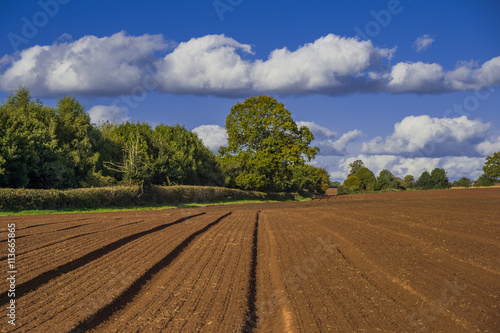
pixel 405 261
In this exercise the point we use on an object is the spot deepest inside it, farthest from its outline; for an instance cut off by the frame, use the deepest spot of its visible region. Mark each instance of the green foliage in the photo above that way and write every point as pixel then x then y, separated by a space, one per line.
pixel 409 182
pixel 462 182
pixel 310 178
pixel 167 155
pixel 439 180
pixel 43 147
pixel 484 180
pixel 354 166
pixel 183 159
pixel 366 176
pixel 121 196
pixel 424 181
pixel 263 142
pixel 386 180
pixel 335 184
pixel 352 181
pixel 342 190
pixel 491 168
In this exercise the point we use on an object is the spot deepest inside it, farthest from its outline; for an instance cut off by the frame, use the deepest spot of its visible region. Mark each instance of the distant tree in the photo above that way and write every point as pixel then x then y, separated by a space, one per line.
pixel 491 168
pixel 439 180
pixel 424 181
pixel 399 183
pixel 409 181
pixel 484 180
pixel 354 166
pixel 311 178
pixel 366 176
pixel 263 142
pixel 386 179
pixel 462 182
pixel 352 181
pixel 335 184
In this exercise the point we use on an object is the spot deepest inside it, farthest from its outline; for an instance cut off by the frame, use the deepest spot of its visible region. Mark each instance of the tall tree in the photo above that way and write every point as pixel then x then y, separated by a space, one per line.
pixel 263 140
pixel 424 181
pixel 366 176
pixel 386 179
pixel 491 168
pixel 354 166
pixel 439 180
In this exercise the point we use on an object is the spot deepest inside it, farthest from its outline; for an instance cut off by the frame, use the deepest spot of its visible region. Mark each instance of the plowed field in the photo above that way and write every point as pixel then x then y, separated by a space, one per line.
pixel 394 262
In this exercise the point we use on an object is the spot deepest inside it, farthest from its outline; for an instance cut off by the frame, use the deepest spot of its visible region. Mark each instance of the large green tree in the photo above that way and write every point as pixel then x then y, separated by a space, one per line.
pixel 354 166
pixel 263 141
pixel 311 178
pixel 165 155
pixel 366 176
pixel 386 180
pixel 42 146
pixel 424 181
pixel 491 168
pixel 439 180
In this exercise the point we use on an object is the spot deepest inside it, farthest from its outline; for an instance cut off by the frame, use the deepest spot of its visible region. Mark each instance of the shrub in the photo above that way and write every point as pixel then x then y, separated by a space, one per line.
pixel 409 181
pixel 439 180
pixel 462 182
pixel 123 196
pixel 386 179
pixel 484 180
pixel 335 184
pixel 342 190
pixel 366 176
pixel 352 181
pixel 424 181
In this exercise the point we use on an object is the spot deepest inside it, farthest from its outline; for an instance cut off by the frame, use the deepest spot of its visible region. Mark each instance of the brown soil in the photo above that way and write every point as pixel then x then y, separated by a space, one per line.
pixel 405 262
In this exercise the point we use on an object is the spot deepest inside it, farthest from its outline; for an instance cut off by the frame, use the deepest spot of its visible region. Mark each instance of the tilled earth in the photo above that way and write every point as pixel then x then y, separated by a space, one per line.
pixel 425 261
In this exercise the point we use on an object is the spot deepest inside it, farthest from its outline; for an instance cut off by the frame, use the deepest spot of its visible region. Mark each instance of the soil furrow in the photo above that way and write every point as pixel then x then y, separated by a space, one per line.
pixel 126 297
pixel 251 315
pixel 45 277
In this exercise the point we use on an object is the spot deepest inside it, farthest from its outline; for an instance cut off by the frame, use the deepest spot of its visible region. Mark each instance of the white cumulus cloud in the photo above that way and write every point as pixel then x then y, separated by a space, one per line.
pixel 212 136
pixel 90 65
pixel 221 66
pixel 431 137
pixel 326 139
pixel 489 147
pixel 423 42
pixel 111 113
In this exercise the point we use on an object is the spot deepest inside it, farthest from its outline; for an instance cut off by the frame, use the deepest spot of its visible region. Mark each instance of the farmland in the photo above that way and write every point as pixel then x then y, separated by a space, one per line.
pixel 407 261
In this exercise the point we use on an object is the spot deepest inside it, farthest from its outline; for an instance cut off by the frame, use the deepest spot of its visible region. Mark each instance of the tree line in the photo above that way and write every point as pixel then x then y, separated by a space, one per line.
pixel 44 147
pixel 360 178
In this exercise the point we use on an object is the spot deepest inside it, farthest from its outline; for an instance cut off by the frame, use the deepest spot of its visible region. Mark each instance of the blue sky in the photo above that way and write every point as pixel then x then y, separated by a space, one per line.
pixel 403 85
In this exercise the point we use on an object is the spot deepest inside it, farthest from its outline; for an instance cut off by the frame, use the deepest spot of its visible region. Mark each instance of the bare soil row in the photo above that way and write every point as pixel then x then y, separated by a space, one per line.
pixel 407 262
